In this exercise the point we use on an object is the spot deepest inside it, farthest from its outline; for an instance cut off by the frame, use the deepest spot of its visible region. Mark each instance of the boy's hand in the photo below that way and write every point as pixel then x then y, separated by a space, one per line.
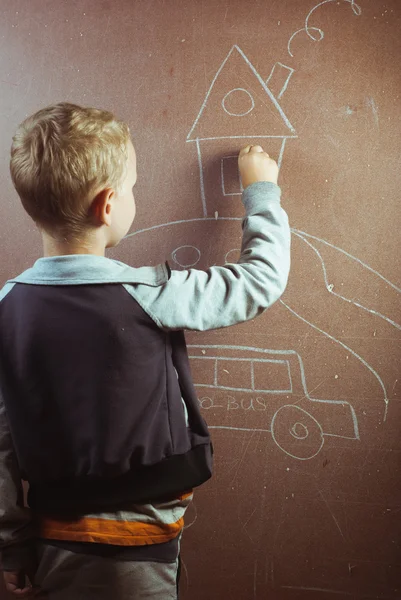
pixel 256 165
pixel 19 585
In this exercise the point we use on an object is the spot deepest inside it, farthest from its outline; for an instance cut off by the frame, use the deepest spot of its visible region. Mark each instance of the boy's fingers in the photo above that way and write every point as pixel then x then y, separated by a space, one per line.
pixel 245 150
pixel 248 149
pixel 17 585
pixel 26 592
pixel 12 579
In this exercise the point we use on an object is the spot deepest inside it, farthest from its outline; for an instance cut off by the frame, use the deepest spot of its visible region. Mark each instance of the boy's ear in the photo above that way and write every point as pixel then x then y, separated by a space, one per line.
pixel 101 207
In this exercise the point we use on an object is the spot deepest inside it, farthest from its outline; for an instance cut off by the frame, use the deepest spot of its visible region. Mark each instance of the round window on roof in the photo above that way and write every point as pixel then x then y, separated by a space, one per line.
pixel 238 102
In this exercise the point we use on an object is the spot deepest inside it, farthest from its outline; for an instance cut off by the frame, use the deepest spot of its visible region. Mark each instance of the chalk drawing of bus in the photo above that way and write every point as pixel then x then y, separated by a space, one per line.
pixel 244 388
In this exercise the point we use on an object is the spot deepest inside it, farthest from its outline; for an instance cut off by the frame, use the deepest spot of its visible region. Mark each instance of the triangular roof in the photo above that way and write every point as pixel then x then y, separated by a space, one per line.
pixel 239 103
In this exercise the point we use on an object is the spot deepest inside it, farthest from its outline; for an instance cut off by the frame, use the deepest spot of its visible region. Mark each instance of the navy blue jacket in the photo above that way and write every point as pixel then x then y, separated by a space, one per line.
pixel 97 404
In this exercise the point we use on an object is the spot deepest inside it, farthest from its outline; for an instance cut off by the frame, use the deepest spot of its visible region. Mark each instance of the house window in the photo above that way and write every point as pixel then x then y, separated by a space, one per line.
pixel 231 183
pixel 238 102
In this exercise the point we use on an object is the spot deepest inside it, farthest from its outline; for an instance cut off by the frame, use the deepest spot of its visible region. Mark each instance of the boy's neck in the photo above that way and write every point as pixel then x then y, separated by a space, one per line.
pixel 53 247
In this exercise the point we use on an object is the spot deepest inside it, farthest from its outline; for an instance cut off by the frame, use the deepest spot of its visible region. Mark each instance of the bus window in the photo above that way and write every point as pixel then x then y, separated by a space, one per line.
pixel 235 373
pixel 203 370
pixel 272 375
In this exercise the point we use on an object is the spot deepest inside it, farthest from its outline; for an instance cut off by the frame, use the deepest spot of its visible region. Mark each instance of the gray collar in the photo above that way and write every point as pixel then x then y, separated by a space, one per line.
pixel 83 269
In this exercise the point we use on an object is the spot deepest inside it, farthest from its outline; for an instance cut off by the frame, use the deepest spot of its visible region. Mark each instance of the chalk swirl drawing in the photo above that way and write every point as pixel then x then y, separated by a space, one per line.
pixel 356 9
pixel 296 428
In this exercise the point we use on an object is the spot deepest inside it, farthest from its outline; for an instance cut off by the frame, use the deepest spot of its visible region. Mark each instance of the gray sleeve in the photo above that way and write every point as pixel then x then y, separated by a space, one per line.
pixel 233 293
pixel 16 530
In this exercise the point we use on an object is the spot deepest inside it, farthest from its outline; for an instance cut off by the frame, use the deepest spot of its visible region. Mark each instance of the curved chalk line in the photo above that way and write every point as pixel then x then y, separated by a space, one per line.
pixel 367 365
pixel 356 9
pixel 314 237
pixel 329 287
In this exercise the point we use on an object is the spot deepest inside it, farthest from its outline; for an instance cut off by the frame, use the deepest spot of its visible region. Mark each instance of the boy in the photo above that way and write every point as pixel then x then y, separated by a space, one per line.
pixel 98 411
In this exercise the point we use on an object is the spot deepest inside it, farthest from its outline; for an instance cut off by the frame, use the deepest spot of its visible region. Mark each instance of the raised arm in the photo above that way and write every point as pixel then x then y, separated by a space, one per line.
pixel 233 293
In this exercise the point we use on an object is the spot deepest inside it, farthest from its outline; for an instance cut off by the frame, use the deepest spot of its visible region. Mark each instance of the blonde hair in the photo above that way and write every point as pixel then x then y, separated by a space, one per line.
pixel 61 156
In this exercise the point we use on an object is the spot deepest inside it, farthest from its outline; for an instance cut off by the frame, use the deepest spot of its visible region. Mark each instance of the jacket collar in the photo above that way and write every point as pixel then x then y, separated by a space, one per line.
pixel 84 269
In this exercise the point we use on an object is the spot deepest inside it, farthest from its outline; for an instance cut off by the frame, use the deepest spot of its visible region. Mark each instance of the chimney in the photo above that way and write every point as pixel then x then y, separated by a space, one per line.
pixel 278 79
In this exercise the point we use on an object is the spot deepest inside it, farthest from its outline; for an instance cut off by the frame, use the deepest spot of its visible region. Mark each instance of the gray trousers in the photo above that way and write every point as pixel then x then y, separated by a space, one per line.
pixel 65 575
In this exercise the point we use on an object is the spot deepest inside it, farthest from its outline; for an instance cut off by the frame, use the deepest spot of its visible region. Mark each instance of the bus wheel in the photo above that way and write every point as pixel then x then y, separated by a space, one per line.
pixel 296 432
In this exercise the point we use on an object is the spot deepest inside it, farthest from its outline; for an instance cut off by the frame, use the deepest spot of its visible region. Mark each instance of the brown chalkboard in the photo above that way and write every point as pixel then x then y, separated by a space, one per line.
pixel 303 402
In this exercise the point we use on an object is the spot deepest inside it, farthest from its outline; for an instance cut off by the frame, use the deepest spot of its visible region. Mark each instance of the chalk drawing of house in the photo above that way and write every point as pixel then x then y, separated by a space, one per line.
pixel 239 108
